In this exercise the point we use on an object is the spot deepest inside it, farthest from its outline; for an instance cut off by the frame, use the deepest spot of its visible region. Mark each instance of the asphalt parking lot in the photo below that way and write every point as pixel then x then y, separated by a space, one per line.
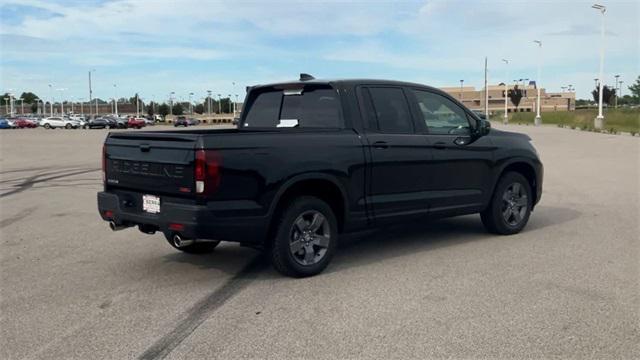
pixel 566 287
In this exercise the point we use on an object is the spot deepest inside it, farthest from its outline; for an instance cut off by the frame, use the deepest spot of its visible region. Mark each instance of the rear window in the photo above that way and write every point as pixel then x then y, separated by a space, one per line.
pixel 308 108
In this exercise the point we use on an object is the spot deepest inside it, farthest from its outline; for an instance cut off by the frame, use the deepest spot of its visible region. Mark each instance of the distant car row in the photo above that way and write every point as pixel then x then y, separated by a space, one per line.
pixel 80 122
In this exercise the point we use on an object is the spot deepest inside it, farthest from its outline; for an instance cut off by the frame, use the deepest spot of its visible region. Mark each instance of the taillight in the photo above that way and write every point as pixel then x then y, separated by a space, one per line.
pixel 104 163
pixel 207 171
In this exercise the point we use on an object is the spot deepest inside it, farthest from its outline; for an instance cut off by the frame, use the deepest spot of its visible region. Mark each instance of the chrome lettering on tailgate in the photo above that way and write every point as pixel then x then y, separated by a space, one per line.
pixel 147 168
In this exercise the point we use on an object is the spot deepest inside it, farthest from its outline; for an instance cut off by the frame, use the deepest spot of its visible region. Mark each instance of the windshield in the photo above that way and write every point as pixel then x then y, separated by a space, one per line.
pixel 317 107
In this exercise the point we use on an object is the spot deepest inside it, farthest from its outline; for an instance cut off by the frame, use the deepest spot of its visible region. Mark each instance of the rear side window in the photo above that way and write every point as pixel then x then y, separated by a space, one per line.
pixel 309 108
pixel 391 110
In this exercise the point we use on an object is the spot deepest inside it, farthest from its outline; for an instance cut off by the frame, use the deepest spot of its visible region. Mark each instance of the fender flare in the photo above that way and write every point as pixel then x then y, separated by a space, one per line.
pixel 288 184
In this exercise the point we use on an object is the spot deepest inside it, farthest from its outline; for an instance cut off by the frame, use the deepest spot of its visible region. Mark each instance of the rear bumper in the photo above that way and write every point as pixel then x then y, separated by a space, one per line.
pixel 196 221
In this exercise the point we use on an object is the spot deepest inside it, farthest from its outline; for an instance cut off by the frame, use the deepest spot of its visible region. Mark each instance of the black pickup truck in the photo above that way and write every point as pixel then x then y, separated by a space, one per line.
pixel 312 159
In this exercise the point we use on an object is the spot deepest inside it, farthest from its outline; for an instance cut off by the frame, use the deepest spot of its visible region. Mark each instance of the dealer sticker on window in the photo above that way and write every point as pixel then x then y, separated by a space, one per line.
pixel 151 204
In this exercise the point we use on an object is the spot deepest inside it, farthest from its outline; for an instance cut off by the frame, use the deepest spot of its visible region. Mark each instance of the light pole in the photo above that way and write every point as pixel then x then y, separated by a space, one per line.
pixel 209 102
pixel 616 88
pixel 91 93
pixel 620 84
pixel 220 104
pixel 61 101
pixel 599 121
pixel 171 102
pixel 461 96
pixel 230 101
pixel 190 103
pixel 21 105
pixel 81 106
pixel 137 106
pixel 538 120
pixel 506 90
pixel 115 99
pixel 235 106
pixel 6 106
pixel 51 102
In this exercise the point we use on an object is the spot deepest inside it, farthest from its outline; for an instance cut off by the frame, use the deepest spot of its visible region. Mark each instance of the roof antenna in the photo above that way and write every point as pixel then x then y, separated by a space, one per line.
pixel 306 77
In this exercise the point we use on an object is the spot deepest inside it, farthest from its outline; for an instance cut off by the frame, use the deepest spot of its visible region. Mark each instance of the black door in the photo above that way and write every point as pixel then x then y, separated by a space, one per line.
pixel 398 154
pixel 460 180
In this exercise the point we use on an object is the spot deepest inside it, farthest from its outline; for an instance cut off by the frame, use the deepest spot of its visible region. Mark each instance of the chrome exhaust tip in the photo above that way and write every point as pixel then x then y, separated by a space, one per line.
pixel 181 242
pixel 116 227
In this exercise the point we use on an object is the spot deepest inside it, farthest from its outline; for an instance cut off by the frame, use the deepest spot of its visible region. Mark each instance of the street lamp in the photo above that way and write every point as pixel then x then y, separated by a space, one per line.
pixel 190 103
pixel 461 96
pixel 599 121
pixel 61 100
pixel 91 94
pixel 209 102
pixel 51 102
pixel 506 91
pixel 115 98
pixel 81 106
pixel 538 120
pixel 616 88
pixel 171 102
pixel 220 103
pixel 235 106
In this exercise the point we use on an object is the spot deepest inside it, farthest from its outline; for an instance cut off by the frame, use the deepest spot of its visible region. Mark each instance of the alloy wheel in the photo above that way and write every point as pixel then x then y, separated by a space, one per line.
pixel 309 238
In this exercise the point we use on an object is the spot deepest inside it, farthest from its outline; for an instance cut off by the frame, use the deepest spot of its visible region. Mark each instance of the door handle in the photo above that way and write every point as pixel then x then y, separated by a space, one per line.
pixel 440 145
pixel 380 145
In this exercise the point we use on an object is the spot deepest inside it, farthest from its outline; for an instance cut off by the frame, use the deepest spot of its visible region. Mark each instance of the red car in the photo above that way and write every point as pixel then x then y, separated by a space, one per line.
pixel 25 123
pixel 136 123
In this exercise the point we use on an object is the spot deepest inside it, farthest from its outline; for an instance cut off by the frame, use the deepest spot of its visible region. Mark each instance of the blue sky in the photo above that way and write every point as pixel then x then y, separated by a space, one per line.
pixel 155 47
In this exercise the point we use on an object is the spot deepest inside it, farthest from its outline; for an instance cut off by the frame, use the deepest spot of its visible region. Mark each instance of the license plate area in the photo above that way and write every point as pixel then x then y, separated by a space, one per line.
pixel 151 204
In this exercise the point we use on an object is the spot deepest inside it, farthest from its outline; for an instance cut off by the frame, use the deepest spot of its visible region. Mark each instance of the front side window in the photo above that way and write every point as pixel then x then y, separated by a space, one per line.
pixel 304 108
pixel 441 115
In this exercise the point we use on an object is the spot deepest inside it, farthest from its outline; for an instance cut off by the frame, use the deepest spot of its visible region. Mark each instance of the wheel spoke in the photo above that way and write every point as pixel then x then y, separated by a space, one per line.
pixel 507 195
pixel 506 214
pixel 296 246
pixel 309 254
pixel 316 222
pixel 516 189
pixel 522 201
pixel 321 240
pixel 300 224
pixel 517 216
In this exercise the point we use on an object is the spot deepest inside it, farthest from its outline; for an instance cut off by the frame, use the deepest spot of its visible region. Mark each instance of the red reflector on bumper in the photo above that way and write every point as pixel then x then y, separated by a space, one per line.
pixel 176 227
pixel 108 214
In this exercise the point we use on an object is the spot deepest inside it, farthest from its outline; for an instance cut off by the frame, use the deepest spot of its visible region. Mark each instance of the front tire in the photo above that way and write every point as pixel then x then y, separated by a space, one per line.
pixel 47 126
pixel 305 239
pixel 510 206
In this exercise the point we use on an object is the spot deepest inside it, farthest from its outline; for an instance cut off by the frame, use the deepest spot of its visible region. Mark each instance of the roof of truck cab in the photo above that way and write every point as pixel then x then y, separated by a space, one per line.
pixel 348 82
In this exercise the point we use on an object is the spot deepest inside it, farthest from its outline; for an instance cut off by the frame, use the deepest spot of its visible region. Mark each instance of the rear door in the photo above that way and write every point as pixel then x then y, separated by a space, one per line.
pixel 160 164
pixel 460 173
pixel 399 155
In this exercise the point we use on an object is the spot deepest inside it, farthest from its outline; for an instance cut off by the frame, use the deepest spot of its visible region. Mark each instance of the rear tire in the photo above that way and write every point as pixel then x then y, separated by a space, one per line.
pixel 305 239
pixel 203 247
pixel 47 126
pixel 68 126
pixel 510 206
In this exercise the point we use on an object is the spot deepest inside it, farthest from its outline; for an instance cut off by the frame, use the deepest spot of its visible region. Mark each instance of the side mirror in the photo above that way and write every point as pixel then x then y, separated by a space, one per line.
pixel 484 127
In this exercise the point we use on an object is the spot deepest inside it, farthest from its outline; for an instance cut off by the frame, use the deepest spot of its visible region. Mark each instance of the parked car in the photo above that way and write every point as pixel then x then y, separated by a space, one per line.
pixel 334 157
pixel 59 122
pixel 184 121
pixel 101 123
pixel 11 122
pixel 22 123
pixel 136 123
pixel 4 124
pixel 149 120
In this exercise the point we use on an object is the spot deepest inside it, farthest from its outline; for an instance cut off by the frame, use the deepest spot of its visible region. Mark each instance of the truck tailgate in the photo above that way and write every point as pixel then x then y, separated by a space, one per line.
pixel 160 163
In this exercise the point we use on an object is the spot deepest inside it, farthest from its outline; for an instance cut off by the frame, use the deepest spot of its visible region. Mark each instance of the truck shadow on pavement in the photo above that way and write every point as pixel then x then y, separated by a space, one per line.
pixel 377 244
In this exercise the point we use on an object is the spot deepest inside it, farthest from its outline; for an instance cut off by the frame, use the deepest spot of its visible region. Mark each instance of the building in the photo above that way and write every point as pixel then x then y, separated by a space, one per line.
pixel 550 101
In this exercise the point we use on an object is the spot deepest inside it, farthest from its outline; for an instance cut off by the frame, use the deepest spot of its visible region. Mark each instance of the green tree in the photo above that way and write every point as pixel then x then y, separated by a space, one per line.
pixel 34 107
pixel 150 107
pixel 163 110
pixel 28 97
pixel 199 109
pixel 177 109
pixel 515 95
pixel 635 90
pixel 608 95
